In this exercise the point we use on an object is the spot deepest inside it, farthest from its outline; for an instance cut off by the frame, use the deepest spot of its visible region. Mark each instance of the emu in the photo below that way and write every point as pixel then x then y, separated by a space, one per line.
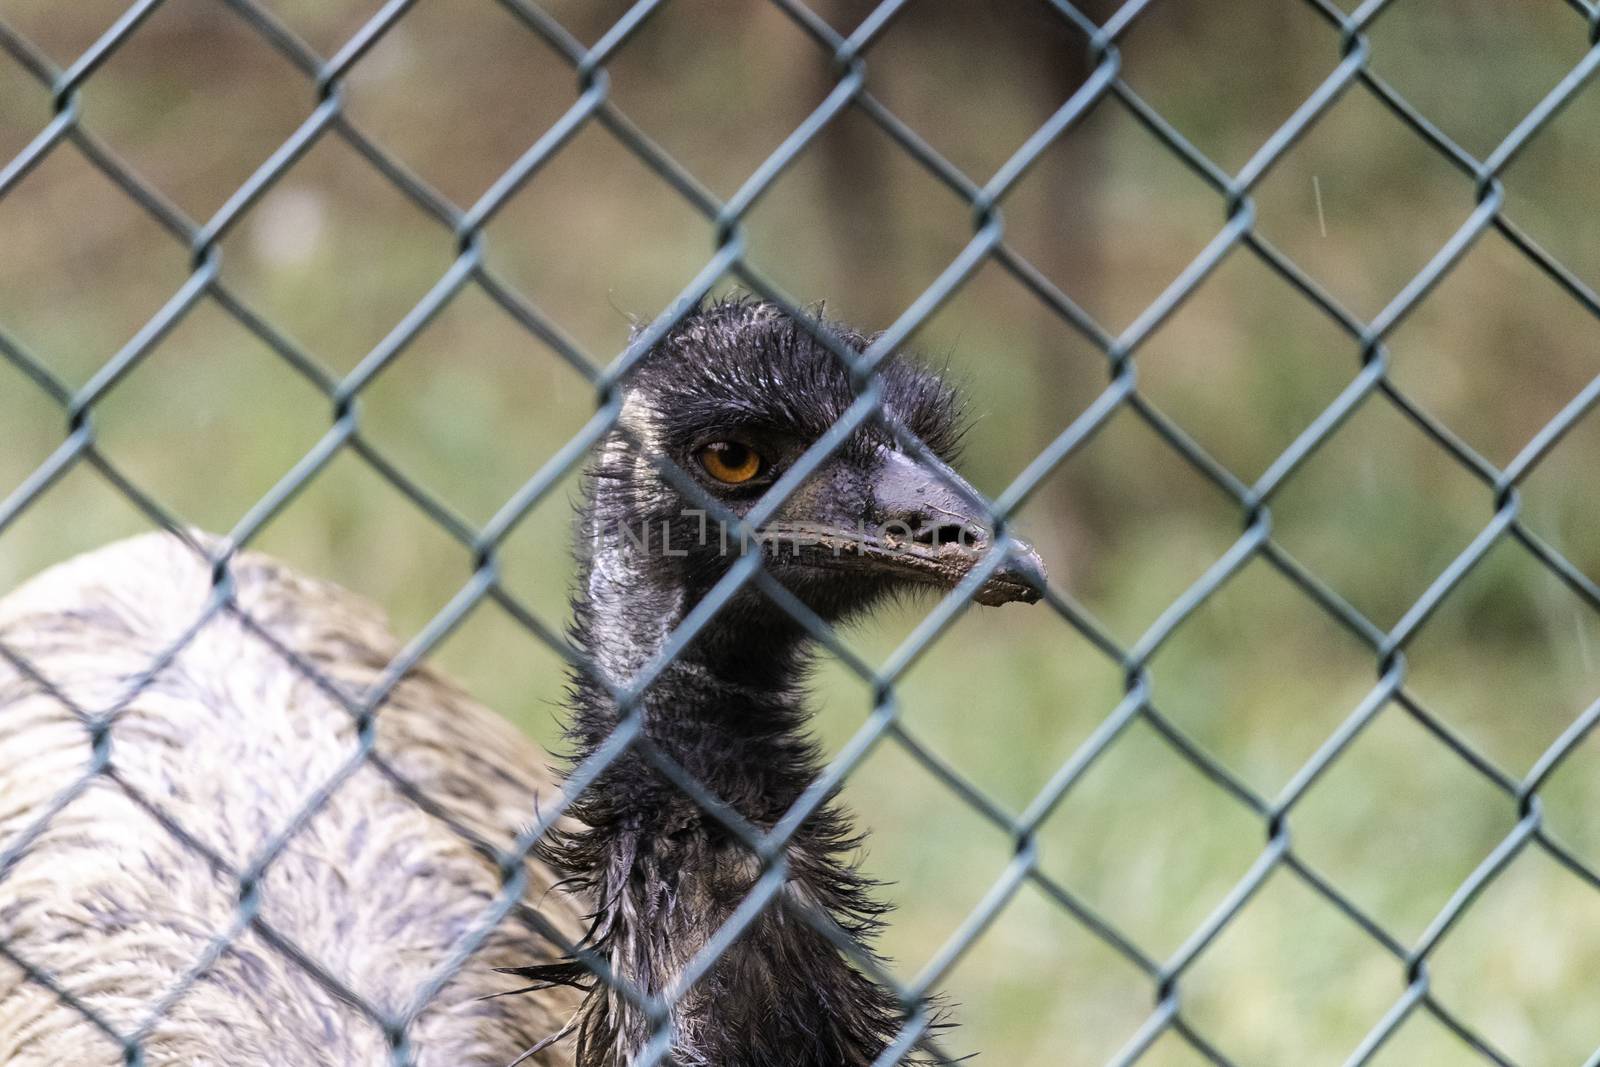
pixel 232 737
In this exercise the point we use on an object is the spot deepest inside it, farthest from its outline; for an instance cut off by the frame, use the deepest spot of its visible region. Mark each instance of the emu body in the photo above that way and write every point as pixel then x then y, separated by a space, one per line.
pixel 228 742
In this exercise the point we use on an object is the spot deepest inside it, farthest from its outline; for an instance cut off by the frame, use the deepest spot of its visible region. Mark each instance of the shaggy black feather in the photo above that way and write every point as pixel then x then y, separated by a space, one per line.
pixel 731 710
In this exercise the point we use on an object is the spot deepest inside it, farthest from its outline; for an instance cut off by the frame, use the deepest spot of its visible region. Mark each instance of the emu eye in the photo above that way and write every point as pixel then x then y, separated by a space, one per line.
pixel 730 462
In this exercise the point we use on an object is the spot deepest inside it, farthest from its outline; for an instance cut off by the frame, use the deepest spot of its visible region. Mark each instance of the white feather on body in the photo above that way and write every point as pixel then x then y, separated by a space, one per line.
pixel 230 741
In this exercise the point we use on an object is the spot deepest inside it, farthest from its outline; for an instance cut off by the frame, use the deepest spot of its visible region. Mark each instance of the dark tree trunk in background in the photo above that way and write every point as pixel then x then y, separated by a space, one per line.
pixel 1073 250
pixel 1072 259
pixel 852 149
pixel 860 211
pixel 1041 62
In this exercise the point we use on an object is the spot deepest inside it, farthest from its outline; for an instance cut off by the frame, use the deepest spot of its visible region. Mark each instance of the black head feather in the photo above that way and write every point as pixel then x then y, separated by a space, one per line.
pixel 742 364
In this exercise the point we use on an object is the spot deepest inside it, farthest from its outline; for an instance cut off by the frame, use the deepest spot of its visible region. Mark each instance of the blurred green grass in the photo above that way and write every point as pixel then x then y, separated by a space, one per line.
pixel 1258 676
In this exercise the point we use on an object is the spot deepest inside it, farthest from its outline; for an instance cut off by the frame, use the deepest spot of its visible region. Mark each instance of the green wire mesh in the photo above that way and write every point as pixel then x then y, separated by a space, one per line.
pixel 1104 88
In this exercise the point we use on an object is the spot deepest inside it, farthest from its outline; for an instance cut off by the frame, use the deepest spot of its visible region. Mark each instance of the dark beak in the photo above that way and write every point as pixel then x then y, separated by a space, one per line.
pixel 925 525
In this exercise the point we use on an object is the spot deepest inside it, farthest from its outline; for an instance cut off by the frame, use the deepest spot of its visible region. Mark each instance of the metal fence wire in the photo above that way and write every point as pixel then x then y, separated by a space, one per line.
pixel 1370 384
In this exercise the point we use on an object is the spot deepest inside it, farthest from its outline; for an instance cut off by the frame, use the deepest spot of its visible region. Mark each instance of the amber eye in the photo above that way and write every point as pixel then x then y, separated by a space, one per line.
pixel 730 462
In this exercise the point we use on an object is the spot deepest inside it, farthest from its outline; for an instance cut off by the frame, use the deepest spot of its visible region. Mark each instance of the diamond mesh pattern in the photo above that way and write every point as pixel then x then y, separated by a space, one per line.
pixel 1370 384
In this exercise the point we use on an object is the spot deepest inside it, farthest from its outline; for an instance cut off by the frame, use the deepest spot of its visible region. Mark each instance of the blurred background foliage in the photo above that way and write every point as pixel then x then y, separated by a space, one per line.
pixel 334 256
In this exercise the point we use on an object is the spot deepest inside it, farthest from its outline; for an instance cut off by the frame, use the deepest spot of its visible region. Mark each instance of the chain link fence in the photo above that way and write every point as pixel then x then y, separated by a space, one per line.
pixel 850 54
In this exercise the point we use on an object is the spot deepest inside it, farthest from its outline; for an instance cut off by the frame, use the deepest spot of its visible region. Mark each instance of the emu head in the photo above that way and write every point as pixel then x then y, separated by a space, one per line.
pixel 733 396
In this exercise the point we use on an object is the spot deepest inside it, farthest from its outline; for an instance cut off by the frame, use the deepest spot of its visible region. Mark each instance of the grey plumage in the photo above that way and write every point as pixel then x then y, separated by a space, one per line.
pixel 229 741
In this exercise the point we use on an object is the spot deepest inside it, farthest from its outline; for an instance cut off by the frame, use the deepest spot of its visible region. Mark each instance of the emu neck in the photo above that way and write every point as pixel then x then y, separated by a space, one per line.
pixel 727 708
pixel 665 875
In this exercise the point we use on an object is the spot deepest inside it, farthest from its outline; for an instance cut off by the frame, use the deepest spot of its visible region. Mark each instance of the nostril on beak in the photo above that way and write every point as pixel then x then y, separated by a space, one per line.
pixel 938 534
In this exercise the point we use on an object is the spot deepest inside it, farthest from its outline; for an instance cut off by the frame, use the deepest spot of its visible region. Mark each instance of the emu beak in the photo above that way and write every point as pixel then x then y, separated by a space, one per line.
pixel 934 515
pixel 1020 578
pixel 925 526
